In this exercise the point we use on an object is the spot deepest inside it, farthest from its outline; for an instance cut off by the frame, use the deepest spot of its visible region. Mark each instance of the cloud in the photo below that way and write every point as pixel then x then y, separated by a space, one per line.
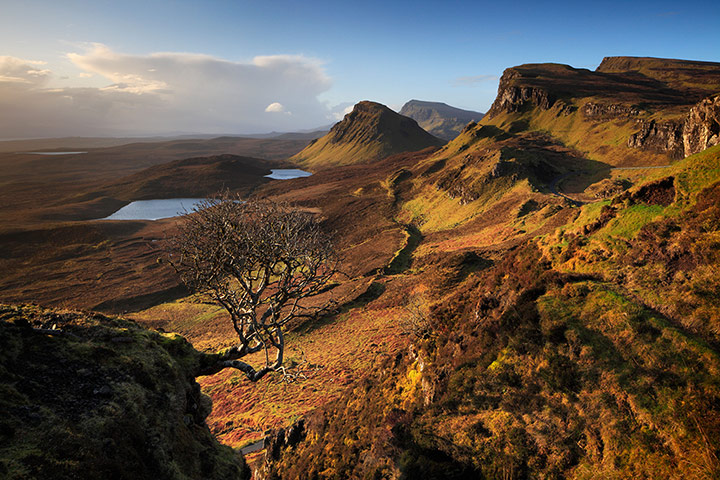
pixel 22 73
pixel 275 107
pixel 475 79
pixel 339 111
pixel 162 93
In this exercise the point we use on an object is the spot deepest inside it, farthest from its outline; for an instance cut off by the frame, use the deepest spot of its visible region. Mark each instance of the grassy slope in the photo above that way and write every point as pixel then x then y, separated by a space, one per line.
pixel 370 132
pixel 557 364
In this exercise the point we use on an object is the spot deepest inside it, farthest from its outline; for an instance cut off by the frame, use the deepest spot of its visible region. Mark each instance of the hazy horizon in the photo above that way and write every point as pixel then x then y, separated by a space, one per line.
pixel 158 69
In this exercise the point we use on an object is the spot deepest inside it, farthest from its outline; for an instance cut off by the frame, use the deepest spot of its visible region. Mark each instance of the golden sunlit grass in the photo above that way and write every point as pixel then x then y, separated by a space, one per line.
pixel 331 355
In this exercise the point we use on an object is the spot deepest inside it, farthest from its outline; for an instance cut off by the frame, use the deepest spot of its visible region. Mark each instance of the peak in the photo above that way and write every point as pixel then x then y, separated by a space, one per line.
pixel 368 106
pixel 440 119
pixel 370 132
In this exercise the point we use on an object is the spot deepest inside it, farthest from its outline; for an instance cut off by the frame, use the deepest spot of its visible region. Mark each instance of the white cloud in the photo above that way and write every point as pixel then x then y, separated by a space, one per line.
pixel 162 93
pixel 339 111
pixel 22 72
pixel 475 79
pixel 275 107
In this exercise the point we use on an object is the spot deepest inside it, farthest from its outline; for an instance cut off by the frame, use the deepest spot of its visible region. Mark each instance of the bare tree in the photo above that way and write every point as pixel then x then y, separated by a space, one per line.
pixel 259 260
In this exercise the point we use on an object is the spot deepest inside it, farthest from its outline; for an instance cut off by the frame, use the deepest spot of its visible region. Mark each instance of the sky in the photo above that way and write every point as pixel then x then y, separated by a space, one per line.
pixel 120 68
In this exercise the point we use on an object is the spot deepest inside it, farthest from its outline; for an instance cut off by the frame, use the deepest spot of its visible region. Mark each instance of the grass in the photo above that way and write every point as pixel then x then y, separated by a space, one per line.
pixel 601 141
pixel 631 220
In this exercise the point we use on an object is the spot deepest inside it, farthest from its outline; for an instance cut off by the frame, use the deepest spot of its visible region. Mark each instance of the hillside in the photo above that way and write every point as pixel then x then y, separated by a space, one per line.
pixel 34 257
pixel 536 298
pixel 439 119
pixel 191 177
pixel 582 354
pixel 370 132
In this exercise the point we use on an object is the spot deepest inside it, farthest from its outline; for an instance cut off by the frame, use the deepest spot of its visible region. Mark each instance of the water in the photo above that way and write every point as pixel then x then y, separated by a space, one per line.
pixel 51 153
pixel 155 209
pixel 287 173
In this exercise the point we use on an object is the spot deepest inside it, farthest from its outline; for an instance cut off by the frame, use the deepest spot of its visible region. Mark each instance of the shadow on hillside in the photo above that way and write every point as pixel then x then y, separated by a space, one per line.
pixel 370 294
pixel 550 165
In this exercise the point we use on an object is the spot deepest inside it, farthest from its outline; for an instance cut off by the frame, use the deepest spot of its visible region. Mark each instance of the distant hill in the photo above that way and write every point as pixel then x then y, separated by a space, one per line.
pixel 75 143
pixel 192 177
pixel 370 132
pixel 439 119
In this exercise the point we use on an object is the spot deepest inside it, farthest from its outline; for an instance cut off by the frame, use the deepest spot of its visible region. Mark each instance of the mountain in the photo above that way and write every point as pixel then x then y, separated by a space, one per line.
pixel 629 111
pixel 370 132
pixel 439 119
pixel 553 334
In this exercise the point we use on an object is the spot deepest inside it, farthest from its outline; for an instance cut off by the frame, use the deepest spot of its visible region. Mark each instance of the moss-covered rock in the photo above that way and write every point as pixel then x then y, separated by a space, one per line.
pixel 87 396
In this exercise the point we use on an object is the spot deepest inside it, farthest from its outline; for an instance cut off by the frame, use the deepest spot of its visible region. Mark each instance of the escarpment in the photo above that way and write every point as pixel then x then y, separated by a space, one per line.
pixel 512 97
pixel 669 107
pixel 660 137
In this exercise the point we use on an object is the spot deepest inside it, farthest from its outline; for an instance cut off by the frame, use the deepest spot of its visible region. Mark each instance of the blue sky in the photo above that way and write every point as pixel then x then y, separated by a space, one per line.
pixel 86 60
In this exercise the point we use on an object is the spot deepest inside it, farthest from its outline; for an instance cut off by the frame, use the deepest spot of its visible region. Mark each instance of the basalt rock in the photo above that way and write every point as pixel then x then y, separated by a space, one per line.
pixel 514 98
pixel 702 126
pixel 603 111
pixel 659 137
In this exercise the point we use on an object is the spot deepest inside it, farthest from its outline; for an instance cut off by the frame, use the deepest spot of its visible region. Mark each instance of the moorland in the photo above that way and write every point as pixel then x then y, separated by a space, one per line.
pixel 535 297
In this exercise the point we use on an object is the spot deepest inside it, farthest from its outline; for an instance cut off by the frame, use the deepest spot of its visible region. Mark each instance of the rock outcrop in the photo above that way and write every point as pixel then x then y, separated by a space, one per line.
pixel 512 97
pixel 89 396
pixel 608 111
pixel 659 137
pixel 702 126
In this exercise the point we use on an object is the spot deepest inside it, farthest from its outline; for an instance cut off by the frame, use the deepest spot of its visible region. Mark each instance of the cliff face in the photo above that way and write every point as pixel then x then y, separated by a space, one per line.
pixel 659 137
pixel 702 126
pixel 439 119
pixel 656 99
pixel 87 396
pixel 699 130
pixel 512 97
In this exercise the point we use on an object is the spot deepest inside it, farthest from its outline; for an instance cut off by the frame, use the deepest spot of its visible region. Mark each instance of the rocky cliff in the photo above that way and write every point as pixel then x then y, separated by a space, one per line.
pixel 513 96
pixel 655 99
pixel 659 137
pixel 702 126
pixel 439 119
pixel 370 132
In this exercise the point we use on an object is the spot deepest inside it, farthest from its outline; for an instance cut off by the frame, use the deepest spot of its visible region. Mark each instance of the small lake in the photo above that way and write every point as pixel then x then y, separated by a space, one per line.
pixel 155 209
pixel 51 153
pixel 287 173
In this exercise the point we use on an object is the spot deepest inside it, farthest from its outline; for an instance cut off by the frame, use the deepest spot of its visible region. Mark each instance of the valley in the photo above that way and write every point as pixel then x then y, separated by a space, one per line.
pixel 533 295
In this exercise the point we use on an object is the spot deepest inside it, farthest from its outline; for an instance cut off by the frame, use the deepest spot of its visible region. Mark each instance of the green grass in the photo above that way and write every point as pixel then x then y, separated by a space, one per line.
pixel 631 220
